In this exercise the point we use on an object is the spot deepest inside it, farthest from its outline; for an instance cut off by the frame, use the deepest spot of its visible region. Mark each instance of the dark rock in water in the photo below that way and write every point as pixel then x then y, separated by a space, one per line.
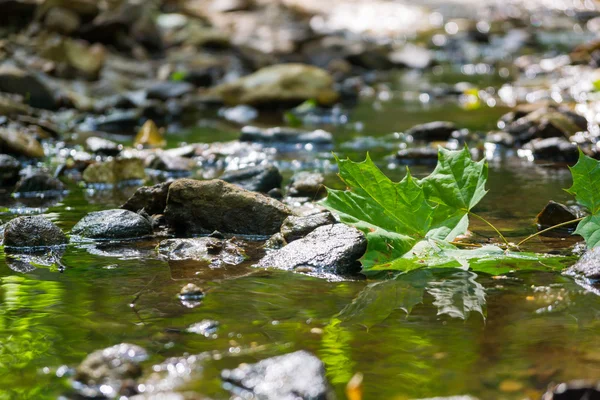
pixel 169 90
pixel 164 161
pixel 110 372
pixel 555 213
pixel 39 183
pixel 260 178
pixel 556 149
pixel 546 122
pixel 102 146
pixel 213 251
pixel 307 184
pixel 113 224
pixel 294 228
pixel 18 81
pixel 588 265
pixel 285 135
pixel 152 199
pixel 328 249
pixel 418 156
pixel 205 206
pixel 35 231
pixel 120 121
pixel 293 376
pixel 437 131
pixel 9 170
pixel 576 390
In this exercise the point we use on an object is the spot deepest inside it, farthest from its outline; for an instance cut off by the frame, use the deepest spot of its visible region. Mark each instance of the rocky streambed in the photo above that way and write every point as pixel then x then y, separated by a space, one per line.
pixel 161 174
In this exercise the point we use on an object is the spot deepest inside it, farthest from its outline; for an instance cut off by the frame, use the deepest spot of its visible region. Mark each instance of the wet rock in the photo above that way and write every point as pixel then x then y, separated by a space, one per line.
pixel 285 135
pixel 555 213
pixel 111 371
pixel 293 376
pixel 545 123
pixel 205 206
pixel 164 161
pixel 34 231
pixel 260 178
pixel 287 83
pixel 556 149
pixel 191 292
pixel 307 184
pixel 115 171
pixel 149 136
pixel 9 170
pixel 417 156
pixel 294 228
pixel 169 90
pixel 328 249
pixel 206 327
pixel 119 121
pixel 275 242
pixel 40 183
pixel 437 131
pixel 62 20
pixel 25 260
pixel 18 81
pixel 17 142
pixel 113 224
pixel 102 146
pixel 588 265
pixel 239 114
pixel 213 251
pixel 152 199
pixel 75 57
pixel 575 390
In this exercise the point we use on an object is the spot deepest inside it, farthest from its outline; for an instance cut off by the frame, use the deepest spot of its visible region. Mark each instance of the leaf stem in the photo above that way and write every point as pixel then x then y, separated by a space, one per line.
pixel 465 244
pixel 549 229
pixel 491 226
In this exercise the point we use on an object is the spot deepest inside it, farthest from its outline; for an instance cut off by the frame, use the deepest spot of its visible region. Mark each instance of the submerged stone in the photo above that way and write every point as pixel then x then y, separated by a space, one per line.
pixel 260 178
pixel 206 206
pixel 109 372
pixel 328 249
pixel 34 231
pixel 206 327
pixel 113 224
pixel 208 249
pixel 293 376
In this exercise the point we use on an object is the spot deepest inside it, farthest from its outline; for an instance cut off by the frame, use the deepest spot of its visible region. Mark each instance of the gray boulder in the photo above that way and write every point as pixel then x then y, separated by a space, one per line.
pixel 211 250
pixel 205 206
pixel 328 249
pixel 260 178
pixel 152 199
pixel 588 265
pixel 293 376
pixel 113 224
pixel 33 231
pixel 294 228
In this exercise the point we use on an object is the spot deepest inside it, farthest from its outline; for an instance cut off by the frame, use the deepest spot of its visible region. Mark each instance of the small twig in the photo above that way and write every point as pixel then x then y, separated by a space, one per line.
pixel 549 229
pixel 491 226
pixel 465 244
pixel 139 294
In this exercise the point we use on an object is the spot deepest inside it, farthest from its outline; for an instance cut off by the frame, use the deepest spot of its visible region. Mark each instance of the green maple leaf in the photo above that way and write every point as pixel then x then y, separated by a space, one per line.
pixel 586 181
pixel 456 185
pixel 395 216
